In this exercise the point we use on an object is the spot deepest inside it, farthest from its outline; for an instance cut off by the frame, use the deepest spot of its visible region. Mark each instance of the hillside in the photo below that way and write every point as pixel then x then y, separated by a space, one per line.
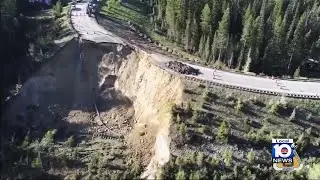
pixel 99 109
pixel 119 116
pixel 228 134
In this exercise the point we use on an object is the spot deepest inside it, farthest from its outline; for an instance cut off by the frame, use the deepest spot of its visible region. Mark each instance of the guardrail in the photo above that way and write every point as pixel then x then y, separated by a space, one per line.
pixel 229 85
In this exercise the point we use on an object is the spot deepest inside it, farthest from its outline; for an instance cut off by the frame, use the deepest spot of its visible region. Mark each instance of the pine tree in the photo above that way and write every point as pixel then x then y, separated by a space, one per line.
pixel 261 31
pixel 277 29
pixel 293 24
pixel 240 59
pixel 181 15
pixel 247 66
pixel 206 20
pixel 251 156
pixel 216 14
pixel 180 175
pixel 188 34
pixel 247 26
pixel 223 33
pixel 160 174
pixel 223 132
pixel 277 11
pixel 201 45
pixel 246 34
pixel 298 43
pixel 171 19
pixel 213 49
pixel 207 49
pixel 194 35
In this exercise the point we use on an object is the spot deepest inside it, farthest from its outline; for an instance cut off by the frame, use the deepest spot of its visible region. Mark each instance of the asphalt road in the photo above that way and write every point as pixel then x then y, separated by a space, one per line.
pixel 89 29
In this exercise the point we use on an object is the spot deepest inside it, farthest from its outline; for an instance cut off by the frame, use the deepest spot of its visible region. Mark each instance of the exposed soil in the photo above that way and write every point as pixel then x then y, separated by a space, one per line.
pixel 181 68
pixel 71 95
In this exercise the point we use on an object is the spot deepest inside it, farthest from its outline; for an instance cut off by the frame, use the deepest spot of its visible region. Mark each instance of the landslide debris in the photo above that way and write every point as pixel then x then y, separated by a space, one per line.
pixel 182 68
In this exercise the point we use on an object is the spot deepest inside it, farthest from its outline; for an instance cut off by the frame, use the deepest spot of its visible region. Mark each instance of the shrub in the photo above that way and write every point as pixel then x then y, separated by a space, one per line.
pixel 229 96
pixel 224 177
pixel 189 108
pixel 196 117
pixel 57 9
pixel 195 175
pixel 317 142
pixel 239 106
pixel 173 108
pixel 235 171
pixel 182 128
pixel 309 117
pixel 178 119
pixel 283 102
pixel 250 156
pixel 191 158
pixel 303 142
pixel 247 124
pixel 201 104
pixel 160 174
pixel 309 130
pixel 136 169
pixel 293 115
pixel 114 176
pixel 180 175
pixel 258 136
pixel 246 171
pixel 271 135
pixel 314 171
pixel 48 138
pixel 37 163
pixel 227 156
pixel 201 130
pixel 214 161
pixel 254 100
pixel 279 134
pixel 206 94
pixel 223 132
pixel 70 142
pixel 200 157
pixel 180 161
pixel 274 107
pixel 26 141
pixel 297 73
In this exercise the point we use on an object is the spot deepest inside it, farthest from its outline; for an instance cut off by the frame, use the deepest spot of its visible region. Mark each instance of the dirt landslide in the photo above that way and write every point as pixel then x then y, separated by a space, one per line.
pixel 102 91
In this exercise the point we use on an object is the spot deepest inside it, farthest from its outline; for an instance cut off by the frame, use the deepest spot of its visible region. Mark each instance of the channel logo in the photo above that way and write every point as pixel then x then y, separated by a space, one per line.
pixel 285 156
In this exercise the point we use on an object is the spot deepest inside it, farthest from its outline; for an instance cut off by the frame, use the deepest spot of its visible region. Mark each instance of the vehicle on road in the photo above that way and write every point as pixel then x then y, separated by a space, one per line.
pixel 92 7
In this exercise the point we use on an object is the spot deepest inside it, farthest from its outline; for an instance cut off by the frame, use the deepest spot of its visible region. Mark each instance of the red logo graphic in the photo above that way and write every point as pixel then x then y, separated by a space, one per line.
pixel 284 150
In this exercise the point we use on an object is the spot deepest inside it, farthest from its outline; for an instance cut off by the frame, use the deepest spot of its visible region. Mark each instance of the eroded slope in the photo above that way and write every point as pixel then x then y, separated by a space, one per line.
pixel 112 100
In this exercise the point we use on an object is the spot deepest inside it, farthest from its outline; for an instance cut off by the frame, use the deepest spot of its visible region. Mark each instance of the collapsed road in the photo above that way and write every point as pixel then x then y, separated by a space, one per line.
pixel 89 29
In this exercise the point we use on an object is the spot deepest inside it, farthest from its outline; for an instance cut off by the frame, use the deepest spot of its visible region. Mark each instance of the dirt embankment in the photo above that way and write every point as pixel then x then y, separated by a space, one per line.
pixel 152 92
pixel 106 88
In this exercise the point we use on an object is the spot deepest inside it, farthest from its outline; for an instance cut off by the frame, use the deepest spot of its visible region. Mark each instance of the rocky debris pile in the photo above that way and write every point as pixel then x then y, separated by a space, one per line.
pixel 182 68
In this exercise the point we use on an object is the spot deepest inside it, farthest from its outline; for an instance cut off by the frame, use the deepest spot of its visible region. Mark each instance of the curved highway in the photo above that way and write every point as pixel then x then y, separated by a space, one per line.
pixel 89 29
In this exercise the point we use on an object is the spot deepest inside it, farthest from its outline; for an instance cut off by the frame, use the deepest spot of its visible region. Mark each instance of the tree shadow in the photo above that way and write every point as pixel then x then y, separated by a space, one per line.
pixel 240 142
pixel 249 111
